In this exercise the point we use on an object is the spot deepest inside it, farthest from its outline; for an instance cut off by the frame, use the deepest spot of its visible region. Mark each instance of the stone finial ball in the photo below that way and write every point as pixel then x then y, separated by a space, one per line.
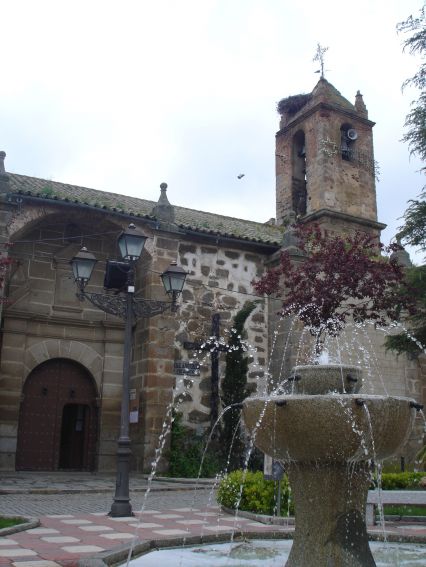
pixel 163 186
pixel 2 155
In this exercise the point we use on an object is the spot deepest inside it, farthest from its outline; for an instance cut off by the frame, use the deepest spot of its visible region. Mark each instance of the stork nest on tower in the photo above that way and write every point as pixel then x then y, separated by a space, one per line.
pixel 293 104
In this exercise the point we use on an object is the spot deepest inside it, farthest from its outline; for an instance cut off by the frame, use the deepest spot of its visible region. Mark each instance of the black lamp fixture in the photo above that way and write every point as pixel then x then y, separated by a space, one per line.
pixel 173 281
pixel 131 243
pixel 83 265
pixel 125 305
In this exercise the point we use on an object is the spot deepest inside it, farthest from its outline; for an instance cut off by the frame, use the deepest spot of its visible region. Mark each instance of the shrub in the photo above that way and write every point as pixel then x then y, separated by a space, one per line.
pixel 186 453
pixel 257 495
pixel 401 481
pixel 404 511
pixel 234 390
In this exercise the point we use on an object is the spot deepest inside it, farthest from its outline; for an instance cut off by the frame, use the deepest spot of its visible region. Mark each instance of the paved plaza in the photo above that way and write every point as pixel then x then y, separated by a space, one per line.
pixel 71 511
pixel 39 494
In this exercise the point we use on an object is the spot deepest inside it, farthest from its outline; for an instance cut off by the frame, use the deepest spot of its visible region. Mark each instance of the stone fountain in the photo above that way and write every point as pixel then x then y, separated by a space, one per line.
pixel 326 434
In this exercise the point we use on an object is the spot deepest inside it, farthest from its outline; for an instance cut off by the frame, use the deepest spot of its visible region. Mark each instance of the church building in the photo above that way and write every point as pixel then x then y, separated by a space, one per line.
pixel 61 359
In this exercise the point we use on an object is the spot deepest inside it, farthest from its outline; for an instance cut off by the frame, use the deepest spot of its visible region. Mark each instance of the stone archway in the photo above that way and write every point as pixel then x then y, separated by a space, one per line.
pixel 58 418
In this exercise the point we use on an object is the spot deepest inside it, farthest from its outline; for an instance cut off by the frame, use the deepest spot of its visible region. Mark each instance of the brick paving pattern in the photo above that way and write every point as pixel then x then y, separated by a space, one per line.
pixel 65 538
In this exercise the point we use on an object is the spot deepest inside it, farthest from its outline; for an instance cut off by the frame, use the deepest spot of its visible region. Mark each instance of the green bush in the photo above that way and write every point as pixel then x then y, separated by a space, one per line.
pixel 404 511
pixel 257 494
pixel 186 453
pixel 401 481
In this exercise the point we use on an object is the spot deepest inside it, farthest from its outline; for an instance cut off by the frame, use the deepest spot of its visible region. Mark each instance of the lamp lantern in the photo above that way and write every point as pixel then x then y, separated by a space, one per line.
pixel 131 243
pixel 83 264
pixel 173 279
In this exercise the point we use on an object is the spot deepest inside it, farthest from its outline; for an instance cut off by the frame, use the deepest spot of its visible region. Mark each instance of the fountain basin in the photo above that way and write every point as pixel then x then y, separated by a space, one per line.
pixel 324 378
pixel 338 427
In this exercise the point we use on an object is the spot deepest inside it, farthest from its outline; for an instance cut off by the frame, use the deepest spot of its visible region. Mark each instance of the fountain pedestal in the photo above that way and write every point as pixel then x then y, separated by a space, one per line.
pixel 330 530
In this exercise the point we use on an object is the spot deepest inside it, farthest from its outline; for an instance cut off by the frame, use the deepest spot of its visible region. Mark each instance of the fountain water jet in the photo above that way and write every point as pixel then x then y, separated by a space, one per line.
pixel 321 436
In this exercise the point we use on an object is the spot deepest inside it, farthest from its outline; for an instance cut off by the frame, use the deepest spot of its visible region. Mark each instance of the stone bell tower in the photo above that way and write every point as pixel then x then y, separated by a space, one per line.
pixel 325 169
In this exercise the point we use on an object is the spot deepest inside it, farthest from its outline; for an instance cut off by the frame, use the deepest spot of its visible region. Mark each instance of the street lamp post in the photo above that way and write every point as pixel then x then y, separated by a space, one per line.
pixel 129 308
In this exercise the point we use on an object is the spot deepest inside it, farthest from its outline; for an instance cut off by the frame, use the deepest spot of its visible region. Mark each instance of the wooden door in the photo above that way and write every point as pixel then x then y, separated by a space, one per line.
pixel 58 418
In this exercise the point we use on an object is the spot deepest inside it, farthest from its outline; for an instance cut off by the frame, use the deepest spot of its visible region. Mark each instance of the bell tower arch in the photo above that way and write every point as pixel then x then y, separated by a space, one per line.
pixel 325 169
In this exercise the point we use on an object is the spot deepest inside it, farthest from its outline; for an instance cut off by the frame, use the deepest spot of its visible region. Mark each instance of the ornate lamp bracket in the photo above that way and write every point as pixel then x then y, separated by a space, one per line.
pixel 117 305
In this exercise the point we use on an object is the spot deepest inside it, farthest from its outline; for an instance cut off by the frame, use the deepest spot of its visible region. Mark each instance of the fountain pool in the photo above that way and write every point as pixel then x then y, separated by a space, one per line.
pixel 270 553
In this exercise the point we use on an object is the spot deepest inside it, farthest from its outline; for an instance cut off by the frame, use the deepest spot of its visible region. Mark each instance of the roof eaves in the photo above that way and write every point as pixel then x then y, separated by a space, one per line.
pixel 229 235
pixel 77 202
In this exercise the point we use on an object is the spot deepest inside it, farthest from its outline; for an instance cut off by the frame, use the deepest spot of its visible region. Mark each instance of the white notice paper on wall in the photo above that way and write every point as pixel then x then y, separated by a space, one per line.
pixel 134 416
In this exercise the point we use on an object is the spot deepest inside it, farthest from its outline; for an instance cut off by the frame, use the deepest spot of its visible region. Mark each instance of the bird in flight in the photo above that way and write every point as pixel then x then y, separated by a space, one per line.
pixel 240 176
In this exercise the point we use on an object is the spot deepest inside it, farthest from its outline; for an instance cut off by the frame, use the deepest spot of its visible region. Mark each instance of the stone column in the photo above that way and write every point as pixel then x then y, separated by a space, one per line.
pixel 331 529
pixel 154 361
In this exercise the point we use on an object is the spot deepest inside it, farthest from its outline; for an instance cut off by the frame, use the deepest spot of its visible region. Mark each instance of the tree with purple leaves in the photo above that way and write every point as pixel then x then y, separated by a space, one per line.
pixel 339 278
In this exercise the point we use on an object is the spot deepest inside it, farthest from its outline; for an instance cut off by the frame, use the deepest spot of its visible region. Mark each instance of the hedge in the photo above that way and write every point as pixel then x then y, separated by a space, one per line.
pixel 249 491
pixel 401 481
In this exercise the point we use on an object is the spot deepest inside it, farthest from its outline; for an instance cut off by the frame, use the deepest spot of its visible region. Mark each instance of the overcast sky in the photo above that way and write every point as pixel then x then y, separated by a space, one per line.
pixel 120 96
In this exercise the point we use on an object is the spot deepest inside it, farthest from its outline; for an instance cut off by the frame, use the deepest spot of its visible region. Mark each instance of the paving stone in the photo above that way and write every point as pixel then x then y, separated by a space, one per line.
pixel 8 541
pixel 167 516
pixel 185 510
pixel 118 535
pixel 95 528
pixel 83 548
pixel 42 531
pixel 148 511
pixel 145 525
pixel 60 539
pixel 421 528
pixel 218 528
pixel 76 522
pixel 170 532
pixel 38 563
pixel 17 552
pixel 191 522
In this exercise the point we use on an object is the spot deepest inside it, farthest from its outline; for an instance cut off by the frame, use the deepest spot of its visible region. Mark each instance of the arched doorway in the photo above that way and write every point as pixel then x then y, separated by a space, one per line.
pixel 58 418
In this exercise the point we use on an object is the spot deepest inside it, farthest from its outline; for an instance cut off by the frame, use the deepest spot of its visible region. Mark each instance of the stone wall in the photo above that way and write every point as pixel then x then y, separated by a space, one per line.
pixel 219 282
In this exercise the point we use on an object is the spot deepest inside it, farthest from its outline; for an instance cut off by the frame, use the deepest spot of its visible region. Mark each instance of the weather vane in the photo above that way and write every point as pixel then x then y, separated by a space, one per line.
pixel 319 56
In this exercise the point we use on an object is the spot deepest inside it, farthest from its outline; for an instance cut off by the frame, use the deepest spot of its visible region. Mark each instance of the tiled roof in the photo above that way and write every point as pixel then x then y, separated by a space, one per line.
pixel 189 219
